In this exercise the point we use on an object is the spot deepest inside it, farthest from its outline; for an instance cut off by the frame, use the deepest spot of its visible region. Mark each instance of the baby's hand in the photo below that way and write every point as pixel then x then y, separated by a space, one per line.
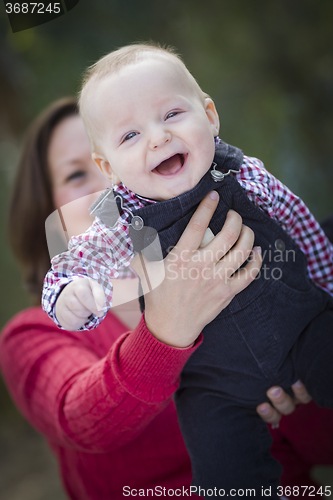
pixel 77 301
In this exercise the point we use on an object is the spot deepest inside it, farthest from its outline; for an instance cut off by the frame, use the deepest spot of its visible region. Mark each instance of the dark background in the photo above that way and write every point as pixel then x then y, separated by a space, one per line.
pixel 267 65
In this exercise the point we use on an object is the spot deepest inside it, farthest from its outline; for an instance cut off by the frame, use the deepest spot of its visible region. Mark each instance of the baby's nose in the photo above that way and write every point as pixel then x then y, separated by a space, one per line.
pixel 160 138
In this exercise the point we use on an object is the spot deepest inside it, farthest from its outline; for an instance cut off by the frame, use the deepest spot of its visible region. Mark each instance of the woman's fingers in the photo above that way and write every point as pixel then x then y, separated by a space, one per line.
pixel 282 403
pixel 240 251
pixel 235 236
pixel 247 274
pixel 201 276
pixel 301 394
pixel 269 414
pixel 195 230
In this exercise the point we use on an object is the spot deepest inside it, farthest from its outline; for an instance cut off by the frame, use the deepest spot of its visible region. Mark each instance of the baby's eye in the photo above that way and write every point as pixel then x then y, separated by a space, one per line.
pixel 129 136
pixel 172 114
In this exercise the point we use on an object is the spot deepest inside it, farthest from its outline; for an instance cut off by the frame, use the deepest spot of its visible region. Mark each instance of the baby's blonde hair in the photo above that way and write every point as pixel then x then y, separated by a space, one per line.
pixel 113 62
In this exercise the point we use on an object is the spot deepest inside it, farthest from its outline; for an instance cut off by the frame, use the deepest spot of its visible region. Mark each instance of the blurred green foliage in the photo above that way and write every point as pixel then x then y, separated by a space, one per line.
pixel 267 65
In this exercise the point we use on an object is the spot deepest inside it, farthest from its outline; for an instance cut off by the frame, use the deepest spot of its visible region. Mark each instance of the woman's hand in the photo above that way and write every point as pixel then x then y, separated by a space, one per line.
pixel 282 403
pixel 200 282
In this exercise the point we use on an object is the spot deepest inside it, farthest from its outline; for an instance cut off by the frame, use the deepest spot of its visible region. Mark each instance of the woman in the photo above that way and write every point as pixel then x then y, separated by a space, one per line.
pixel 103 399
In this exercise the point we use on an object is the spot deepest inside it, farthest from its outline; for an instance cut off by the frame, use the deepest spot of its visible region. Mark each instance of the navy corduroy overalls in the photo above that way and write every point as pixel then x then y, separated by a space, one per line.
pixel 279 329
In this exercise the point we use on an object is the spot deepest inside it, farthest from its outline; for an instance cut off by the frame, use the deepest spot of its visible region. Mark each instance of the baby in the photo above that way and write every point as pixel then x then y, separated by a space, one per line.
pixel 154 134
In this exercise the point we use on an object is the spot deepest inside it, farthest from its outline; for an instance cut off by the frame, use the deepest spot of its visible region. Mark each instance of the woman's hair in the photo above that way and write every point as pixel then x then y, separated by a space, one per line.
pixel 32 200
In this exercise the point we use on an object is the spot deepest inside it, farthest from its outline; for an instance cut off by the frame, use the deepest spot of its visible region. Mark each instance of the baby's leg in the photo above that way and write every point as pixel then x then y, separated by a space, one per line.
pixel 229 446
pixel 313 358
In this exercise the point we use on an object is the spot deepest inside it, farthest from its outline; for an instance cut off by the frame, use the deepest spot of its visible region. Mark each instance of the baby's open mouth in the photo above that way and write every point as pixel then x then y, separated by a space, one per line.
pixel 171 165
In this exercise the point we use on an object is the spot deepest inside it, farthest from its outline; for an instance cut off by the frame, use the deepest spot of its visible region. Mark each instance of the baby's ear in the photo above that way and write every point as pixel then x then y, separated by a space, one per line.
pixel 105 168
pixel 212 115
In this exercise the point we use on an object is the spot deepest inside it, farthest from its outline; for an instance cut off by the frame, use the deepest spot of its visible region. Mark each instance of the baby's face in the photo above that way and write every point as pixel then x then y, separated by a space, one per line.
pixel 155 132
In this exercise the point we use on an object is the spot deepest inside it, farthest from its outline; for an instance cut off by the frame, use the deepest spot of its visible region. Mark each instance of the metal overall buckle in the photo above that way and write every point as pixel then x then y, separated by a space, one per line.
pixel 218 176
pixel 136 221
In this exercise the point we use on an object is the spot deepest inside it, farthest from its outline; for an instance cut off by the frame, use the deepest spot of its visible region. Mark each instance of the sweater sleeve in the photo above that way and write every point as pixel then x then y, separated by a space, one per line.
pixel 78 398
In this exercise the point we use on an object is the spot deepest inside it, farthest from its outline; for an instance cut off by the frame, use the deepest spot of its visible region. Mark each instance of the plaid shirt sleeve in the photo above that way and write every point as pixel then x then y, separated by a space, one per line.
pixel 293 215
pixel 99 254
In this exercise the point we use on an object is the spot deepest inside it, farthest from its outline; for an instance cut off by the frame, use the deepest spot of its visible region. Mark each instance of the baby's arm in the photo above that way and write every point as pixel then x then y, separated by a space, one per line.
pixel 95 255
pixel 282 205
pixel 295 217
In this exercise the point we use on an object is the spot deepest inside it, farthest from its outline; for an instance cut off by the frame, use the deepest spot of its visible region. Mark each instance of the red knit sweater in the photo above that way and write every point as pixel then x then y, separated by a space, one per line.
pixel 103 400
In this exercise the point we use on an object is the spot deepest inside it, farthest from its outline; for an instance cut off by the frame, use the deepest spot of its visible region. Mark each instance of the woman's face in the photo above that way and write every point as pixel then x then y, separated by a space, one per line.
pixel 74 175
pixel 76 184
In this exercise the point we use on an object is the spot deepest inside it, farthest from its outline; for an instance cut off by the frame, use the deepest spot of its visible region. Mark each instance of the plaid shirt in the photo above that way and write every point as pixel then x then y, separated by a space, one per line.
pixel 103 254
